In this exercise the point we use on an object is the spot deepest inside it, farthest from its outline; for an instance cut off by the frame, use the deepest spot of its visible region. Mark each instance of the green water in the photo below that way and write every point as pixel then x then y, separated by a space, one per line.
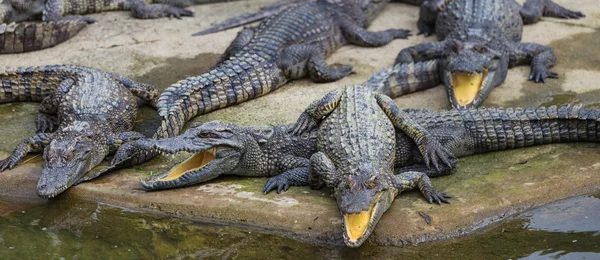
pixel 69 229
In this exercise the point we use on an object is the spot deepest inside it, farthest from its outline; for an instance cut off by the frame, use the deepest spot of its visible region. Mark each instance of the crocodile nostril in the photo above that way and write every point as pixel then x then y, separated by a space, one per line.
pixel 42 187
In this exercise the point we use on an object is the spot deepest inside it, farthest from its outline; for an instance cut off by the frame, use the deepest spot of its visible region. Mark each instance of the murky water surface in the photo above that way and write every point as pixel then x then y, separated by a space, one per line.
pixel 68 229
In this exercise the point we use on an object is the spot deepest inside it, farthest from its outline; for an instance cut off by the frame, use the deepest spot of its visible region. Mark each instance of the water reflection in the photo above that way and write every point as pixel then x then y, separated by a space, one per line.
pixel 70 229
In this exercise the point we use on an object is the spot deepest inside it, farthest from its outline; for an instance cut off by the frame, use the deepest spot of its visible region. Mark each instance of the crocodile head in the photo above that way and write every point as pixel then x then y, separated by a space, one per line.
pixel 215 148
pixel 66 159
pixel 470 71
pixel 362 198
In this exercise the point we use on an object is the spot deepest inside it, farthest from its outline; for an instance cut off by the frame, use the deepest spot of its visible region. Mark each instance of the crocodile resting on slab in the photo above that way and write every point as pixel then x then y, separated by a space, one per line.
pixel 90 112
pixel 291 44
pixel 478 42
pixel 60 20
pixel 462 132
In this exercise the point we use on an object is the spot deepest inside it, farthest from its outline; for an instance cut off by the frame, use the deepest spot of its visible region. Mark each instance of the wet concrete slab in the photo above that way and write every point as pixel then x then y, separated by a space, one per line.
pixel 487 188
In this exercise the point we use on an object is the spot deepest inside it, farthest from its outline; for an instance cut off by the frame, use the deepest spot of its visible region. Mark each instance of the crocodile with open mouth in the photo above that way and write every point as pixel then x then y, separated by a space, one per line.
pixel 478 41
pixel 85 115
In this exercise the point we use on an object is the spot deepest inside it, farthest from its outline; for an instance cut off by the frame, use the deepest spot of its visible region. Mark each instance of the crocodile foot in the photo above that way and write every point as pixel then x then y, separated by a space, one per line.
pixel 540 73
pixel 279 181
pixel 46 123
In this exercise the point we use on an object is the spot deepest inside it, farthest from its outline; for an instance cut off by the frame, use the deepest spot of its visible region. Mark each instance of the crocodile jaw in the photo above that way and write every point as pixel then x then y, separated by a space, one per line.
pixel 358 226
pixel 196 162
pixel 466 86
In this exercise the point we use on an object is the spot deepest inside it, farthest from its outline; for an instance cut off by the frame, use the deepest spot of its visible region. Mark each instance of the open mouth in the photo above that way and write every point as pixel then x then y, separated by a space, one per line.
pixel 196 162
pixel 356 224
pixel 466 86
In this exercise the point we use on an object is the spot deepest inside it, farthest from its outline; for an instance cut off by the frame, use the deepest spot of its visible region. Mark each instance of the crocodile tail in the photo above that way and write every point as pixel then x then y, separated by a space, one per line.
pixel 31 83
pixel 498 129
pixel 402 79
pixel 247 18
pixel 231 82
pixel 25 37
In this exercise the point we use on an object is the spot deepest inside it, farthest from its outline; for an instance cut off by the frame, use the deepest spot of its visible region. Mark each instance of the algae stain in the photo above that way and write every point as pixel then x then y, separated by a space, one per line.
pixel 579 51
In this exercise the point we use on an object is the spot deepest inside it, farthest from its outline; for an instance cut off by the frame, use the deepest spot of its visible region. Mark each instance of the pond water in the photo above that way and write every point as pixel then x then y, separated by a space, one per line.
pixel 71 229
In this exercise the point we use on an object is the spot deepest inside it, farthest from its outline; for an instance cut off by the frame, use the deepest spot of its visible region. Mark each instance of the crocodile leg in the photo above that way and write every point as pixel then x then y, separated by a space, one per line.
pixel 293 177
pixel 141 10
pixel 298 60
pixel 321 171
pixel 432 151
pixel 143 91
pixel 242 39
pixel 406 181
pixel 423 52
pixel 359 36
pixel 316 111
pixel 33 144
pixel 539 56
pixel 402 79
pixel 47 119
pixel 533 10
pixel 427 16
pixel 53 12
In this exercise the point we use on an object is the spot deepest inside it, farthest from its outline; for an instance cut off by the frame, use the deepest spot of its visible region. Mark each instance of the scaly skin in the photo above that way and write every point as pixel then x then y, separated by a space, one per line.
pixel 478 42
pixel 356 147
pixel 462 132
pixel 85 115
pixel 289 45
pixel 228 149
pixel 63 19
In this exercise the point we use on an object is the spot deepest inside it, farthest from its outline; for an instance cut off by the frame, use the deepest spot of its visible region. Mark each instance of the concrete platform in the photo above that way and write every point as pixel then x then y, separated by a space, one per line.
pixel 487 188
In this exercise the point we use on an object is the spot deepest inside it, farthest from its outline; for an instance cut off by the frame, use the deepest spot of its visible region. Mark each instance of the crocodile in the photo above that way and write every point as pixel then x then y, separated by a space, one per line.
pixel 291 44
pixel 61 20
pixel 356 143
pixel 227 149
pixel 85 114
pixel 478 42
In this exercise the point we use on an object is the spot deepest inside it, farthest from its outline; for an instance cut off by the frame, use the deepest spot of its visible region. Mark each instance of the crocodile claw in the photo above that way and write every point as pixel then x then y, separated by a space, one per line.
pixel 45 123
pixel 434 154
pixel 305 123
pixel 438 197
pixel 540 74
pixel 278 181
pixel 7 163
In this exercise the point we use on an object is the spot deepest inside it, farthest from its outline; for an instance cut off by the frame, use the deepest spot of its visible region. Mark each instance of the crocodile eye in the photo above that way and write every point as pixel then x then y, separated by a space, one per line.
pixel 68 156
pixel 208 135
pixel 480 49
pixel 370 184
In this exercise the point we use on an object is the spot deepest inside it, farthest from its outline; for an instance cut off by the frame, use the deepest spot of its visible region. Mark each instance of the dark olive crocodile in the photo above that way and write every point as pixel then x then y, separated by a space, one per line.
pixel 85 115
pixel 59 20
pixel 478 42
pixel 291 44
pixel 356 145
pixel 221 149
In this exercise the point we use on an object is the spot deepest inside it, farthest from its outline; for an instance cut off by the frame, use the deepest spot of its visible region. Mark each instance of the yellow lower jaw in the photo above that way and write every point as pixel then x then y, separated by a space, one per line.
pixel 356 224
pixel 193 163
pixel 466 87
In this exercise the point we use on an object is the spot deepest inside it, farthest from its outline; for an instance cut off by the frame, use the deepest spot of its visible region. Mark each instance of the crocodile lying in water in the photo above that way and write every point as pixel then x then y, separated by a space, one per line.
pixel 291 44
pixel 478 42
pixel 91 113
pixel 462 132
pixel 61 20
